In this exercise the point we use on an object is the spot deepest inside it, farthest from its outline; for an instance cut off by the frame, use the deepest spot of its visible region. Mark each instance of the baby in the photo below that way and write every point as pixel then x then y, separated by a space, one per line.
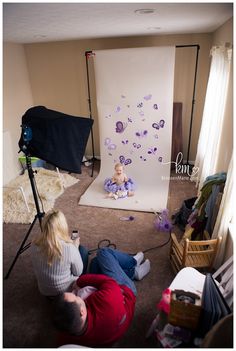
pixel 119 185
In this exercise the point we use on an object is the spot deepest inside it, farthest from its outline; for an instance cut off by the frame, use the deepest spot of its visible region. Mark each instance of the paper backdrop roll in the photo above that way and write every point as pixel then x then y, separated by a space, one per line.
pixel 135 106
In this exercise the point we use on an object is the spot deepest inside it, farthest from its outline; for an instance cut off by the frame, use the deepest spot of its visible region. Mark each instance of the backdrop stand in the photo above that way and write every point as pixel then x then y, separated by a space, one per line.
pixel 88 54
pixel 38 216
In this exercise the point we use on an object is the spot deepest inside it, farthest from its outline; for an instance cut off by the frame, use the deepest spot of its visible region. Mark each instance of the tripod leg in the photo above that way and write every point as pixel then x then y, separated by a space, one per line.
pixel 21 248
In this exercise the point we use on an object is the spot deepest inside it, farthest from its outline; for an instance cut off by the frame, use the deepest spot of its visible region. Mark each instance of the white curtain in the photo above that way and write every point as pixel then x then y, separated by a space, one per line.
pixel 225 216
pixel 208 151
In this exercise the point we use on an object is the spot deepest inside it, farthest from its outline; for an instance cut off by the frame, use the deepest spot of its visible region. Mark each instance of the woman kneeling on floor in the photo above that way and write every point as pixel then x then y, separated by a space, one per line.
pixel 57 260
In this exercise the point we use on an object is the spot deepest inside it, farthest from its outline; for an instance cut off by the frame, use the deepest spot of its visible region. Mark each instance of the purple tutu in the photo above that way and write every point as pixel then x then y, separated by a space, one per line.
pixel 111 187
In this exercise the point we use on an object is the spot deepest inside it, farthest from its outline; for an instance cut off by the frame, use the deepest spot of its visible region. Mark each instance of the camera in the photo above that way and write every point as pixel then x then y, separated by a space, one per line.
pixel 75 234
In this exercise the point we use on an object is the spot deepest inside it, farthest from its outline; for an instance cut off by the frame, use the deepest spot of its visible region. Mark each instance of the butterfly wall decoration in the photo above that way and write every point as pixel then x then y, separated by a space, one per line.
pixel 159 125
pixel 125 161
pixel 108 143
pixel 120 126
pixel 141 133
pixel 152 150
pixel 137 146
pixel 118 109
pixel 139 105
pixel 148 97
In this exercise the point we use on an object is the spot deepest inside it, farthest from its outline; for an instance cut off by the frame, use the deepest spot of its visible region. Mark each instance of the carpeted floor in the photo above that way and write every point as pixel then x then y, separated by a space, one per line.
pixel 27 314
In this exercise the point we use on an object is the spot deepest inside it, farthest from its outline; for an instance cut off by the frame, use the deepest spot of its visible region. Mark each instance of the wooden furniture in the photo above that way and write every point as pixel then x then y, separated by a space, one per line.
pixel 191 280
pixel 197 254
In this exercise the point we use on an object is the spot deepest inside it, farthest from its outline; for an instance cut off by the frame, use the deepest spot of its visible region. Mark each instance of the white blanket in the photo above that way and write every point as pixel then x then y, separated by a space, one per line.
pixel 50 186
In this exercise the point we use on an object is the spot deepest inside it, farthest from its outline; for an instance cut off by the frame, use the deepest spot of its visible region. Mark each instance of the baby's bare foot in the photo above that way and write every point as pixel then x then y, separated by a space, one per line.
pixel 109 195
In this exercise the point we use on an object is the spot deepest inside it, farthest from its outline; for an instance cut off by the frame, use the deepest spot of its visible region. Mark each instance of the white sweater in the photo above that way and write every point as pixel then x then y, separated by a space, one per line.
pixel 57 278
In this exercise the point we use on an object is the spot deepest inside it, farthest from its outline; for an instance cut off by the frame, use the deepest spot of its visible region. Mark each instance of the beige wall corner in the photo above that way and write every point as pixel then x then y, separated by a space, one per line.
pixel 17 98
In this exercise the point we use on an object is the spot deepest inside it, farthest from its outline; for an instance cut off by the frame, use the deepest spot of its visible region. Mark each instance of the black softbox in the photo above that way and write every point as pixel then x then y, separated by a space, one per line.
pixel 57 138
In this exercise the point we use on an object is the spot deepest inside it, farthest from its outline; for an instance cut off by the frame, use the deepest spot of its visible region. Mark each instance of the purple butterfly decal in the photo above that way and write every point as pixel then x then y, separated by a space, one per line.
pixel 137 146
pixel 148 97
pixel 130 119
pixel 125 141
pixel 108 116
pixel 109 145
pixel 125 161
pixel 162 123
pixel 120 127
pixel 156 125
pixel 159 125
pixel 160 159
pixel 118 109
pixel 142 158
pixel 141 134
pixel 152 150
pixel 155 106
pixel 140 105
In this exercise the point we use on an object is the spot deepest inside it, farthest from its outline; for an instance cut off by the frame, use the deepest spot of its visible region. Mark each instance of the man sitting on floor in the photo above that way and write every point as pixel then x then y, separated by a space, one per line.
pixel 101 307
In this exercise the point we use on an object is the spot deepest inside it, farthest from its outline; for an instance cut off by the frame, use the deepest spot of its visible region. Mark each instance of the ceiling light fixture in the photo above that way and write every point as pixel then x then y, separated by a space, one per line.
pixel 144 11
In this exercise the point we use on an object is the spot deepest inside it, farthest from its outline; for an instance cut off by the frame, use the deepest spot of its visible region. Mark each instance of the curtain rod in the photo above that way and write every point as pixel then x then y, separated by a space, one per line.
pixel 188 46
pixel 177 46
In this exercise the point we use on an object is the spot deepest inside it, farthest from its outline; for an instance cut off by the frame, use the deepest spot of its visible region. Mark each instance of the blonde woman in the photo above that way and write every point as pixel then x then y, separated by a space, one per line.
pixel 57 260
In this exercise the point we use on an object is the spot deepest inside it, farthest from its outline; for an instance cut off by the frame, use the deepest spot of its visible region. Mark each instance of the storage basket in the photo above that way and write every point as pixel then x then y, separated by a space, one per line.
pixel 184 314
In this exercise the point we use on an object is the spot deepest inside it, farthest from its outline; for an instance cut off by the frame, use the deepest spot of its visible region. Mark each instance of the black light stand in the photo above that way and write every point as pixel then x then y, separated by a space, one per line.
pixel 38 216
pixel 193 98
pixel 87 55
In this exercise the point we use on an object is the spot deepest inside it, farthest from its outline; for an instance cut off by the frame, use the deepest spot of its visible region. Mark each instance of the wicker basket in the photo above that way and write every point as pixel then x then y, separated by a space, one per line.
pixel 184 314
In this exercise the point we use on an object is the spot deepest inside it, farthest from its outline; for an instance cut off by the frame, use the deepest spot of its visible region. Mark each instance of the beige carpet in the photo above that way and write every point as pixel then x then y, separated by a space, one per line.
pixel 50 186
pixel 27 319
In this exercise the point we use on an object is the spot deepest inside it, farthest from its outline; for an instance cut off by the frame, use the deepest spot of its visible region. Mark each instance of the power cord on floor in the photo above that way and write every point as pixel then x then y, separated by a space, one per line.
pixel 107 243
pixel 103 243
pixel 159 246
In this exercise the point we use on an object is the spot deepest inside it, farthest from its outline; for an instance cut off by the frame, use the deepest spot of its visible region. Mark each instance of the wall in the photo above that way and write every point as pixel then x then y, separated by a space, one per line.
pixel 58 76
pixel 58 80
pixel 17 98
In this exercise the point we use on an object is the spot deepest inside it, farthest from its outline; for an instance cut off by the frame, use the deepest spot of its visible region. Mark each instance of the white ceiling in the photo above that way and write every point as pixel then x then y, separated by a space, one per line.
pixel 43 22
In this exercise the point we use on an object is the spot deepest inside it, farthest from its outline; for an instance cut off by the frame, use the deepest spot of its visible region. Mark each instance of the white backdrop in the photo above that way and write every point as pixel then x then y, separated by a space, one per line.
pixel 135 105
